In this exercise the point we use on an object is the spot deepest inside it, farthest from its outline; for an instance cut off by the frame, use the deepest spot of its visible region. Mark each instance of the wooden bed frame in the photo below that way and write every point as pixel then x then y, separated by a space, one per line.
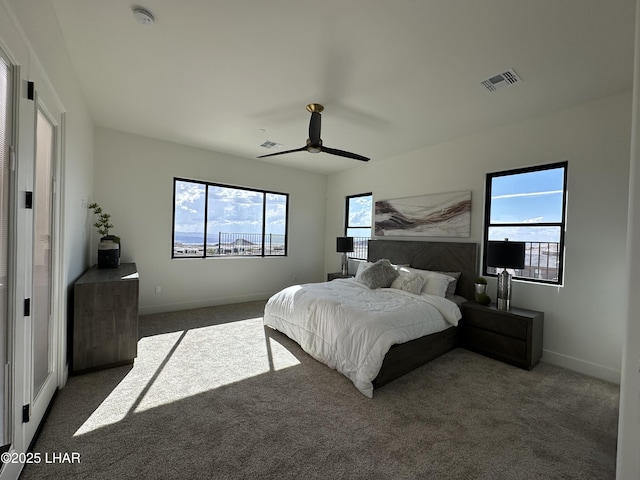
pixel 438 256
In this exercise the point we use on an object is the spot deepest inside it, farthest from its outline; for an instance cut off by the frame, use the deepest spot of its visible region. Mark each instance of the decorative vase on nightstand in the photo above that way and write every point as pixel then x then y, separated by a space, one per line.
pixel 481 286
pixel 481 291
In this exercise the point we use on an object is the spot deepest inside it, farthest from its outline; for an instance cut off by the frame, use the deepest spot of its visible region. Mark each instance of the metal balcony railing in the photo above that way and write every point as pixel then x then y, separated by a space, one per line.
pixel 234 244
pixel 542 262
pixel 542 259
pixel 360 248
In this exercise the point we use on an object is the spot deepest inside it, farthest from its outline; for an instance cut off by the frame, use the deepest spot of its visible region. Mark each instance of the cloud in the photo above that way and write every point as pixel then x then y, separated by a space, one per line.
pixel 529 194
pixel 228 209
pixel 237 196
pixel 525 233
pixel 187 194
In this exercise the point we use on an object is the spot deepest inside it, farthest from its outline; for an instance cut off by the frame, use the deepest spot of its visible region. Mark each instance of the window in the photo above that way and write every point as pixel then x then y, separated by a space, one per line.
pixel 358 223
pixel 528 205
pixel 234 221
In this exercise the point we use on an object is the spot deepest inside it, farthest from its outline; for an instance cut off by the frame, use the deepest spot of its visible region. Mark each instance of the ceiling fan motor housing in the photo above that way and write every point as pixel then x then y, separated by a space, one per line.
pixel 315 107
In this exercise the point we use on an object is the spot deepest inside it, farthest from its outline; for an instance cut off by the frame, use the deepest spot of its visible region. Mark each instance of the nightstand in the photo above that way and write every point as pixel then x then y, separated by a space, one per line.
pixel 513 336
pixel 334 275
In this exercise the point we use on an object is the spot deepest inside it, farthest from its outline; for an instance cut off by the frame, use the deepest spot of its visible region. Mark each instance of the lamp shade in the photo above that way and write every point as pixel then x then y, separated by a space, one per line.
pixel 505 254
pixel 344 244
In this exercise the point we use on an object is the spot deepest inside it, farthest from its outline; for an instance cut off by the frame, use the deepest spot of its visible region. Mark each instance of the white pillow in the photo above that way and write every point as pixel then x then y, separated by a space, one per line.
pixel 362 266
pixel 399 266
pixel 435 283
pixel 409 282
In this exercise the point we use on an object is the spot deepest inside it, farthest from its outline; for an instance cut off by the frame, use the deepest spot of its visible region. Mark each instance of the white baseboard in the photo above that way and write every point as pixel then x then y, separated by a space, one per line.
pixel 582 366
pixel 209 302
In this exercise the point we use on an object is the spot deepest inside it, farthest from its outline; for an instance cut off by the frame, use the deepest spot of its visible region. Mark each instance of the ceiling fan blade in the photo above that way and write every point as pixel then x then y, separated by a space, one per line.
pixel 314 129
pixel 301 149
pixel 342 153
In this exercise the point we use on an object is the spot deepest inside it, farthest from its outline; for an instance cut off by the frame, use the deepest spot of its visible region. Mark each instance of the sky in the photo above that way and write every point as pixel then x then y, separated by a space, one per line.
pixel 230 210
pixel 524 199
pixel 360 212
pixel 534 196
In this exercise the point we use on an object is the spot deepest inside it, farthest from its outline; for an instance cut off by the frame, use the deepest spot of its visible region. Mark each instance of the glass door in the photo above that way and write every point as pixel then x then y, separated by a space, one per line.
pixel 39 259
pixel 35 254
pixel 41 331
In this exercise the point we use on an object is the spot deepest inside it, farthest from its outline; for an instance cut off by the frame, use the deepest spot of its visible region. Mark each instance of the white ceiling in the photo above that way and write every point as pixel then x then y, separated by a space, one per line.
pixel 394 75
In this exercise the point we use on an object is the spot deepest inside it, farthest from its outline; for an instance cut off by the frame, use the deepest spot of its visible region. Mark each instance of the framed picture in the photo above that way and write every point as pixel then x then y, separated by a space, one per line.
pixel 435 215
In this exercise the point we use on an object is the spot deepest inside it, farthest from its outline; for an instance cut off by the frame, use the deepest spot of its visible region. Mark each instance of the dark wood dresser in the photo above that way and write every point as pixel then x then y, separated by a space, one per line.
pixel 513 336
pixel 105 318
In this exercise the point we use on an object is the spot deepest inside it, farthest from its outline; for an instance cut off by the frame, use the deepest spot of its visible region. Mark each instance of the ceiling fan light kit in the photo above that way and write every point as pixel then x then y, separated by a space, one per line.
pixel 314 148
pixel 314 142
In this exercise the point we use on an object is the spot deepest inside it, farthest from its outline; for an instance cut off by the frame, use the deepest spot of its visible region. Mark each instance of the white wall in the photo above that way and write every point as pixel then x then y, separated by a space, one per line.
pixel 584 318
pixel 134 183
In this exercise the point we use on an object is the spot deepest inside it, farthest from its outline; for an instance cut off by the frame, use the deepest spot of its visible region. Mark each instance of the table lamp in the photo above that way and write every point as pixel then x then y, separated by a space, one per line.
pixel 344 245
pixel 505 255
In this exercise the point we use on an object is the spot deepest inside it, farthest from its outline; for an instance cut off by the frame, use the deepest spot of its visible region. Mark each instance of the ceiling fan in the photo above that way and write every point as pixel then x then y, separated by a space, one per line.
pixel 314 142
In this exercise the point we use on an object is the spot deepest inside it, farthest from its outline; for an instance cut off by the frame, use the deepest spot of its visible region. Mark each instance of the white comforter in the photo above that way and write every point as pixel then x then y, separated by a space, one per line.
pixel 350 327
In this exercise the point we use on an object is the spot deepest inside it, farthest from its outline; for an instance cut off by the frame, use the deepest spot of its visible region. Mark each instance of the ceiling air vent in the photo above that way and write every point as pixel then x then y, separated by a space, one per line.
pixel 504 79
pixel 269 144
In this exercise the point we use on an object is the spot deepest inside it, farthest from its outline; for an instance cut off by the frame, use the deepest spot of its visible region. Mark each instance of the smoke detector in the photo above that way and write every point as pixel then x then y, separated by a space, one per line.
pixel 143 16
pixel 501 80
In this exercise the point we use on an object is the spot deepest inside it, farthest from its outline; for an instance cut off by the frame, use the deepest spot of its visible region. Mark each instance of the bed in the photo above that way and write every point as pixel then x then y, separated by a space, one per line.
pixel 373 336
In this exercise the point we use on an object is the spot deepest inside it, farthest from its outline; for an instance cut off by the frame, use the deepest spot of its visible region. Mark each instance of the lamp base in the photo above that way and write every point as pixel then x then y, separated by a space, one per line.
pixel 504 290
pixel 345 264
pixel 502 304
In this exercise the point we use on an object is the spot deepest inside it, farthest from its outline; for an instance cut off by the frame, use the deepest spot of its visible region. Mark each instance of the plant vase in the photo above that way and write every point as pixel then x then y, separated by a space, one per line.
pixel 109 252
pixel 481 294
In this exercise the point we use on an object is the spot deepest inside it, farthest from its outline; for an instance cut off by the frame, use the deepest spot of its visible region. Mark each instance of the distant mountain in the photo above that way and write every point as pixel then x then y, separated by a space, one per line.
pixel 242 241
pixel 188 238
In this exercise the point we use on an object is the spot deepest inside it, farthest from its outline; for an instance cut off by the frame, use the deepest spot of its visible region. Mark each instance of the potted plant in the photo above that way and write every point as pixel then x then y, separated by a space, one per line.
pixel 481 291
pixel 109 246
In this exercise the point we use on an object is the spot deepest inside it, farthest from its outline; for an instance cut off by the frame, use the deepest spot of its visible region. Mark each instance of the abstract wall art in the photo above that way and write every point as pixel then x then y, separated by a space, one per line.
pixel 435 215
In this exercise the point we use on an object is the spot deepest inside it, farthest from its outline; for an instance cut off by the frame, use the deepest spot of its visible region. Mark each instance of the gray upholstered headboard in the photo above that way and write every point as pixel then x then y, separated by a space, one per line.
pixel 438 256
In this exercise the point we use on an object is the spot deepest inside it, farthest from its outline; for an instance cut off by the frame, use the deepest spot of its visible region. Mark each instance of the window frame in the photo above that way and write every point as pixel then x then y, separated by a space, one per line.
pixel 263 234
pixel 347 227
pixel 561 224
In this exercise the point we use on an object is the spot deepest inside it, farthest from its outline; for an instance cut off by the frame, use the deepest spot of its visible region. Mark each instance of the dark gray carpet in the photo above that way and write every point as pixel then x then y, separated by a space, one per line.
pixel 213 394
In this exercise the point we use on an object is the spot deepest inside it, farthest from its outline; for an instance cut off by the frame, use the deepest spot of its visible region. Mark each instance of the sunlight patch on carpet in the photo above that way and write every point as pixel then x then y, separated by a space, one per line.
pixel 124 397
pixel 177 365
